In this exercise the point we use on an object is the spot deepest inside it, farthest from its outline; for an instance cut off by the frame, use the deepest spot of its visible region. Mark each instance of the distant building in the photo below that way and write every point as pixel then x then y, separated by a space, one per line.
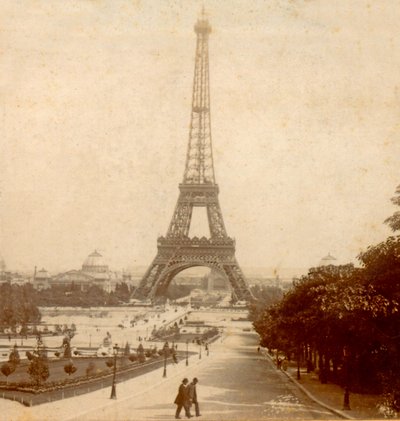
pixel 216 281
pixel 12 278
pixel 94 271
pixel 2 265
pixel 4 276
pixel 41 279
pixel 328 260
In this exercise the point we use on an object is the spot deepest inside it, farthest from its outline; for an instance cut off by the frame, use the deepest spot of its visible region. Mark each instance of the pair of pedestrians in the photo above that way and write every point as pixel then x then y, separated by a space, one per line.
pixel 187 395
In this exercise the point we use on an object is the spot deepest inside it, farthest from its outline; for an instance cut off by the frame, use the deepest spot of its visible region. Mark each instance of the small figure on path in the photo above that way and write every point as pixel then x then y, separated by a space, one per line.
pixel 174 356
pixel 182 399
pixel 193 396
pixel 258 349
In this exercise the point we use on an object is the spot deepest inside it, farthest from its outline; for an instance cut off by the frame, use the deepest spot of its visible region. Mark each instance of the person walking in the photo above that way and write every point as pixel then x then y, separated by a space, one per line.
pixel 182 399
pixel 193 396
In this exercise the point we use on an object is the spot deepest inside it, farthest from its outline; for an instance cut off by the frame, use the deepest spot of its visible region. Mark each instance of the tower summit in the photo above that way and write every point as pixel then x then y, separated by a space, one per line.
pixel 199 160
pixel 177 251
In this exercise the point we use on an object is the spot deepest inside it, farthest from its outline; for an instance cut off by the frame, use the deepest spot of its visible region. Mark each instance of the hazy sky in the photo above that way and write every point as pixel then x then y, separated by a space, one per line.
pixel 95 107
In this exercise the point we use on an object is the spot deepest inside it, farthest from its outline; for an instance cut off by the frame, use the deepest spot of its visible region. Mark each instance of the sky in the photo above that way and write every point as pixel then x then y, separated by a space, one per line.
pixel 95 100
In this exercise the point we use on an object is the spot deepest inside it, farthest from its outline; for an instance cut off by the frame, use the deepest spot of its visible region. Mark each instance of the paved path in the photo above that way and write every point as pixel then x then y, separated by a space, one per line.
pixel 235 383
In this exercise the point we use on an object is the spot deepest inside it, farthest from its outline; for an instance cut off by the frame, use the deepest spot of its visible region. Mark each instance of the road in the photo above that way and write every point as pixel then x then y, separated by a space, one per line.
pixel 235 383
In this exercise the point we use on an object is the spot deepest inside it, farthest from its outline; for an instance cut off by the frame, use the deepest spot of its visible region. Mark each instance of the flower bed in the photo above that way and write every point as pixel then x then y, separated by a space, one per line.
pixel 30 394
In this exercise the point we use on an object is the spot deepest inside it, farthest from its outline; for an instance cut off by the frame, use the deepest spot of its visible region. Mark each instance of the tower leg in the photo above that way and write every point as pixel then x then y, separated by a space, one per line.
pixel 238 283
pixel 149 282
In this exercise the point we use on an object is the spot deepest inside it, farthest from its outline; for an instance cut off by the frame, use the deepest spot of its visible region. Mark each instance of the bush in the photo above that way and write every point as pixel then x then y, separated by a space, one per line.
pixel 38 370
pixel 133 357
pixel 67 348
pixel 7 369
pixel 109 363
pixel 14 356
pixel 91 368
pixel 70 368
pixel 29 355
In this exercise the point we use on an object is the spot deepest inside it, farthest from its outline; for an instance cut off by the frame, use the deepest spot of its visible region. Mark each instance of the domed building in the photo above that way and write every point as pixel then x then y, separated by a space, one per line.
pixel 328 260
pixel 95 263
pixel 94 271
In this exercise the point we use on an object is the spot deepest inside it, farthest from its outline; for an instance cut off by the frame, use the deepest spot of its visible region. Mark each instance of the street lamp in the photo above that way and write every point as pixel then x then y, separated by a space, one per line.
pixel 166 349
pixel 298 363
pixel 346 398
pixel 187 352
pixel 113 390
pixel 199 350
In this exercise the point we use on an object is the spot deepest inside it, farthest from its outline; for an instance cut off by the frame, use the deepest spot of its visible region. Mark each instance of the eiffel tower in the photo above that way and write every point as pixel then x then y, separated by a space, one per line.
pixel 176 251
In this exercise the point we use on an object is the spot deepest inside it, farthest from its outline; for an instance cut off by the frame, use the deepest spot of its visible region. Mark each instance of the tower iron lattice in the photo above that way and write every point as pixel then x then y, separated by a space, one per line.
pixel 177 251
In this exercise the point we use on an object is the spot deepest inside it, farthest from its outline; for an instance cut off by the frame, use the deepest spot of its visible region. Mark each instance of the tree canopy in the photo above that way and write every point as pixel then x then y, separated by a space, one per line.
pixel 336 311
pixel 18 306
pixel 394 220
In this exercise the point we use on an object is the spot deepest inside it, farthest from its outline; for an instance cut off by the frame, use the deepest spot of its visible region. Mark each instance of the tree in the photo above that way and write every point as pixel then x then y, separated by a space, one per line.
pixel 91 368
pixel 394 220
pixel 18 305
pixel 267 296
pixel 381 266
pixel 334 309
pixel 70 368
pixel 7 369
pixel 141 354
pixel 38 370
pixel 67 347
pixel 14 357
pixel 24 331
pixel 127 350
pixel 133 357
pixel 122 292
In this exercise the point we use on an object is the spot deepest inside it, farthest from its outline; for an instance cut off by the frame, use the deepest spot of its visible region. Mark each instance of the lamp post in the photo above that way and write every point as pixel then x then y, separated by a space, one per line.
pixel 199 350
pixel 90 340
pixel 187 352
pixel 166 349
pixel 346 397
pixel 113 389
pixel 298 363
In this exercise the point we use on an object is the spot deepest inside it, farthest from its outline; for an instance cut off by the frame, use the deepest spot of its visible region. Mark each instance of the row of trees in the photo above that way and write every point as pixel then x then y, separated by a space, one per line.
pixel 19 303
pixel 39 367
pixel 72 295
pixel 344 320
pixel 17 306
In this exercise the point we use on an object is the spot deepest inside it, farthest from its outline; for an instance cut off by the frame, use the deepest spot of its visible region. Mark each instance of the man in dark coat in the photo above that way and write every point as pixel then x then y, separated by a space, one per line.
pixel 182 399
pixel 193 395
